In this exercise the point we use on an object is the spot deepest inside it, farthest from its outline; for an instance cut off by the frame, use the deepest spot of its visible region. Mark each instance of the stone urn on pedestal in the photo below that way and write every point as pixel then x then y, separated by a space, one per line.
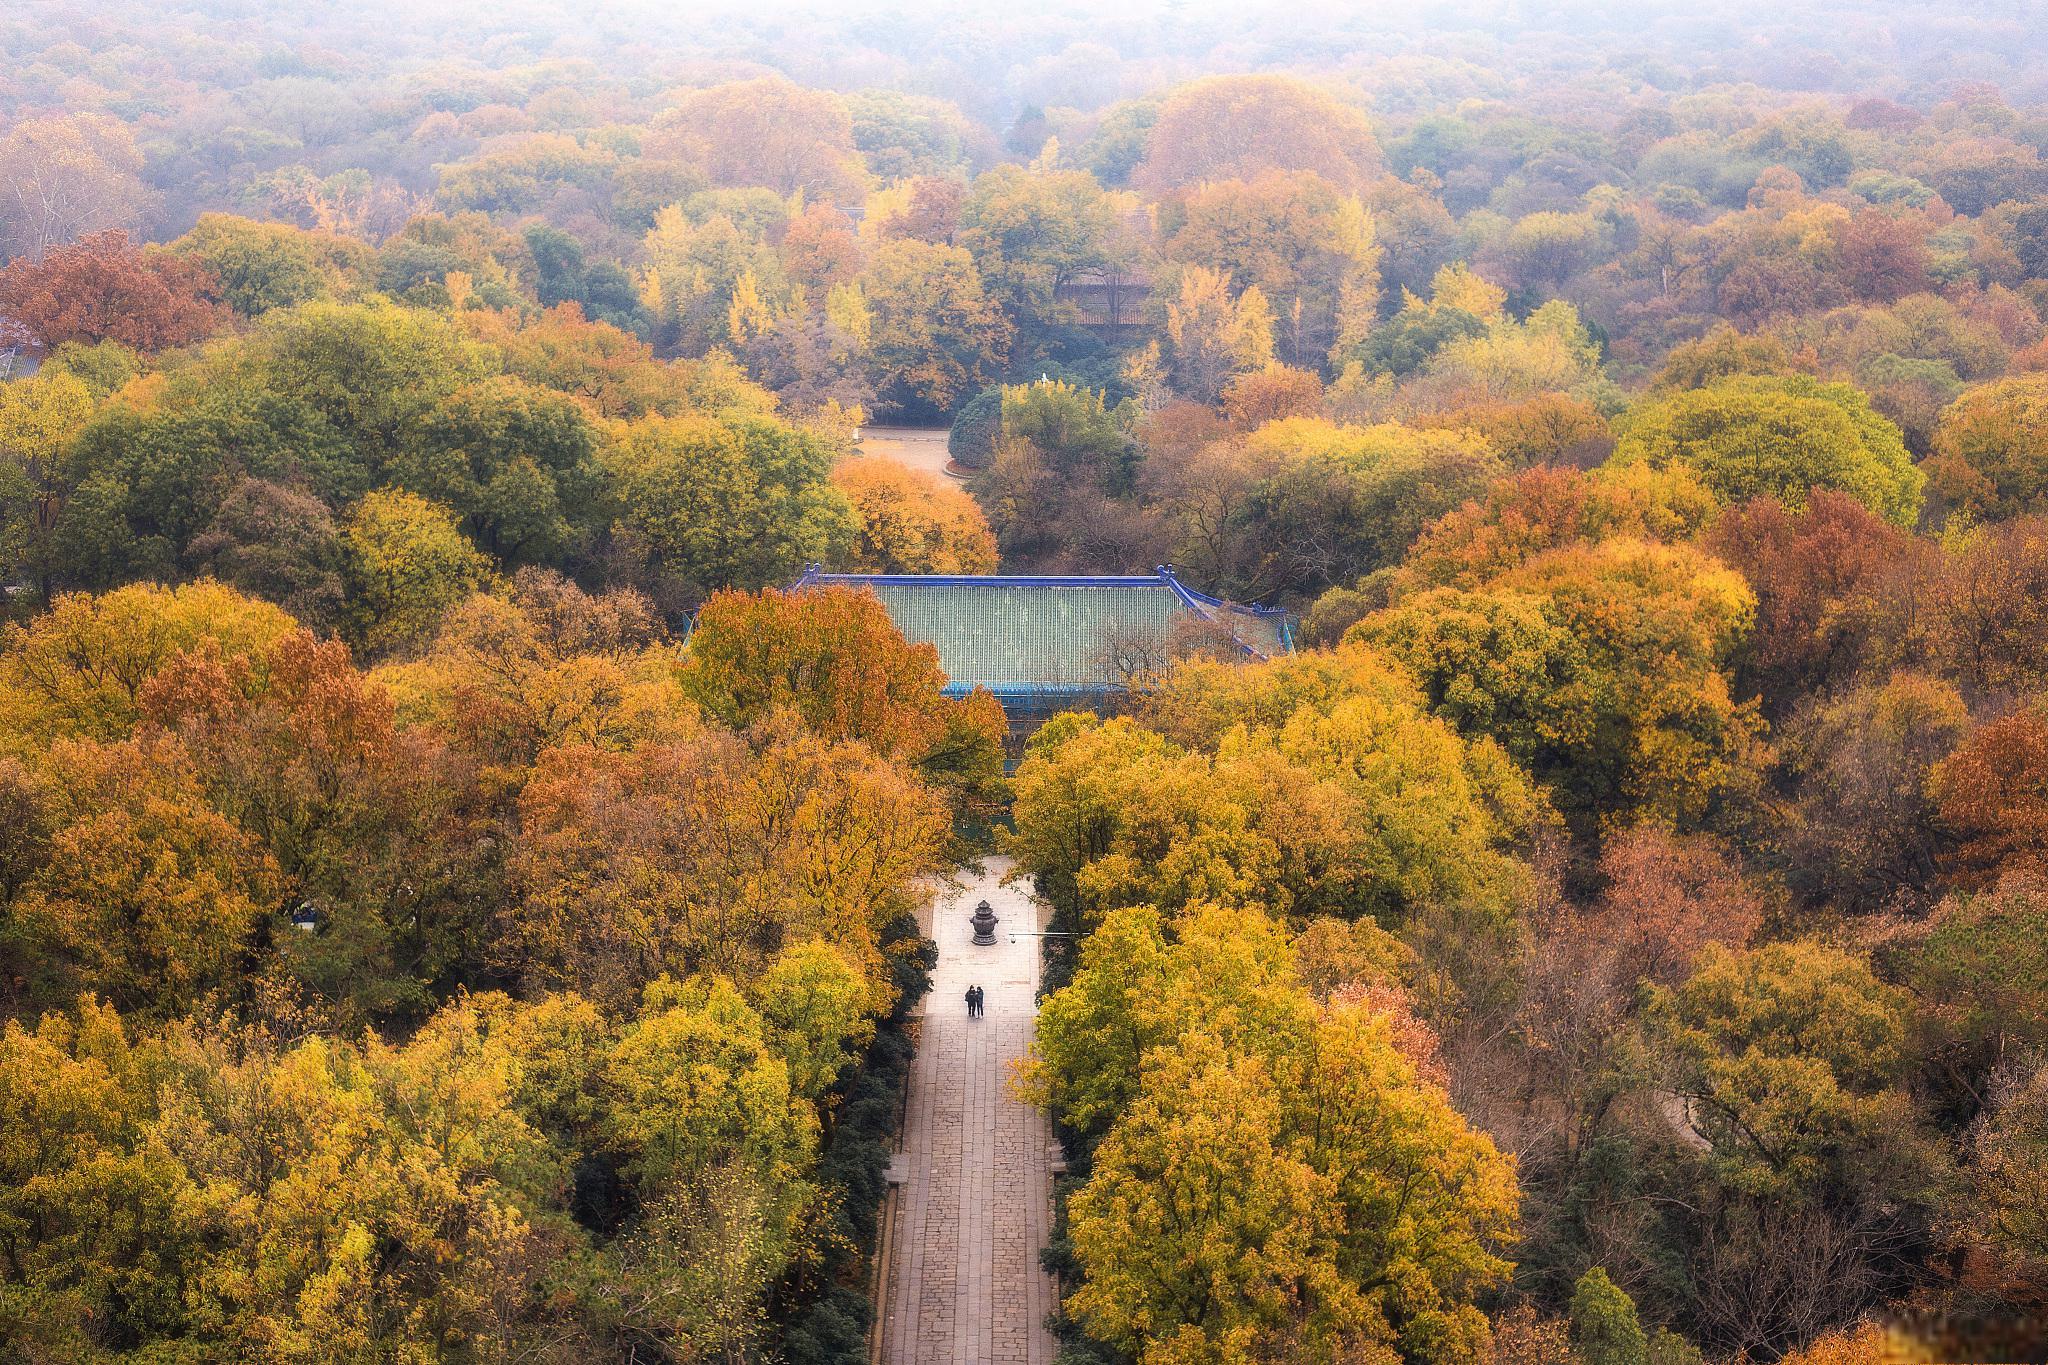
pixel 984 922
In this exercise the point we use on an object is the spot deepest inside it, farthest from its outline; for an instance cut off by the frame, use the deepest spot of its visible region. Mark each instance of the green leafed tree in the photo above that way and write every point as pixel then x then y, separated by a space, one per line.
pixel 728 504
pixel 1778 436
pixel 407 562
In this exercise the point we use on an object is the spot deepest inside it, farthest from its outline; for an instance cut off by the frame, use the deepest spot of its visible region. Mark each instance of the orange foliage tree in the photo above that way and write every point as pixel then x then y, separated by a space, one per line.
pixel 1993 794
pixel 833 656
pixel 711 855
pixel 769 132
pixel 911 522
pixel 1233 127
pixel 1813 572
pixel 102 288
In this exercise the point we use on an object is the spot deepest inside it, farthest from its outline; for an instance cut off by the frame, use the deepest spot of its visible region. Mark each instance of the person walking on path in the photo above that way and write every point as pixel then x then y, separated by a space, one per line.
pixel 970 1002
pixel 976 1001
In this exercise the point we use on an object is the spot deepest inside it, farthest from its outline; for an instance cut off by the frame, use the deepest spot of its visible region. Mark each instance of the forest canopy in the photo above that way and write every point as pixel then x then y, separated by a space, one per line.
pixel 459 902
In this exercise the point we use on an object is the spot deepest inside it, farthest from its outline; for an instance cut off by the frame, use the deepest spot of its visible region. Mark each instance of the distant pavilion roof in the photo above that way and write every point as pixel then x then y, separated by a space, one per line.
pixel 1054 636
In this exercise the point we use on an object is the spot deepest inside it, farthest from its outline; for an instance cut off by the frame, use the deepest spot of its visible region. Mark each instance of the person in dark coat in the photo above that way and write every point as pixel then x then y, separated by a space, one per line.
pixel 970 1002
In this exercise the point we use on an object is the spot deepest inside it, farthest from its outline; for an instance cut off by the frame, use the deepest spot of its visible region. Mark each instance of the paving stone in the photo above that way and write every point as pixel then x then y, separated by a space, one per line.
pixel 964 1286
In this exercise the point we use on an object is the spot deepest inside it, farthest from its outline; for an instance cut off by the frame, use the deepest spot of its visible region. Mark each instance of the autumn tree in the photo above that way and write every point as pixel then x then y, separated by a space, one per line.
pixel 1309 249
pixel 1062 452
pixel 1977 608
pixel 1178 811
pixel 1034 233
pixel 1336 503
pixel 832 655
pixel 66 177
pixel 450 261
pixel 699 1038
pixel 1864 833
pixel 373 830
pixel 79 669
pixel 1819 575
pixel 1511 361
pixel 1723 353
pixel 1234 127
pixel 1257 397
pixel 711 279
pixel 1987 449
pixel 935 334
pixel 1215 333
pixel 1545 249
pixel 819 249
pixel 39 417
pixel 1543 509
pixel 1992 793
pixel 148 898
pixel 1781 437
pixel 407 561
pixel 912 522
pixel 456 1191
pixel 711 855
pixel 613 372
pixel 1233 1079
pixel 1522 1336
pixel 1548 429
pixel 709 504
pixel 78 1188
pixel 763 132
pixel 1785 1058
pixel 257 266
pixel 812 359
pixel 1602 668
pixel 903 135
pixel 1461 305
pixel 542 663
pixel 1576 1000
pixel 102 288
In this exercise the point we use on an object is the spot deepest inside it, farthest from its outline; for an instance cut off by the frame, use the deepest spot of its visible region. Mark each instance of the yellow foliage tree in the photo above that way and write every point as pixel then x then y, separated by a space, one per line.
pixel 912 522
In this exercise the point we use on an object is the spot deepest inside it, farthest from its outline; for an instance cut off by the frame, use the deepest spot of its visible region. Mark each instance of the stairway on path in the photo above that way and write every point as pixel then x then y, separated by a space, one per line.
pixel 960 1282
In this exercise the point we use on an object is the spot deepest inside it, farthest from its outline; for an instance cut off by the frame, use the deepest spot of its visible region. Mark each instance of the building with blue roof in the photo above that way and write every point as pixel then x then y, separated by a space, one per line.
pixel 1051 643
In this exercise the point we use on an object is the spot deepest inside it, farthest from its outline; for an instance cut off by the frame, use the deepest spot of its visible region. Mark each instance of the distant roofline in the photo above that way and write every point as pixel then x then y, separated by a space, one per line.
pixel 962 687
pixel 1163 575
pixel 985 580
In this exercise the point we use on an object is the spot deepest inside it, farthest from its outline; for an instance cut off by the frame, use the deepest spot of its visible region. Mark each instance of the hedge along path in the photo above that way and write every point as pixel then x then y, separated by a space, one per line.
pixel 970 1203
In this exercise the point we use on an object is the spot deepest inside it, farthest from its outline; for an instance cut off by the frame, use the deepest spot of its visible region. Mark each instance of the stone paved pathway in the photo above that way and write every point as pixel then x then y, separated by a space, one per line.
pixel 962 1284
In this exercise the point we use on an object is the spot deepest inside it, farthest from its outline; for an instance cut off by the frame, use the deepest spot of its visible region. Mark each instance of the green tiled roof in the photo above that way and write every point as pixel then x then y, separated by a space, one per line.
pixel 1054 634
